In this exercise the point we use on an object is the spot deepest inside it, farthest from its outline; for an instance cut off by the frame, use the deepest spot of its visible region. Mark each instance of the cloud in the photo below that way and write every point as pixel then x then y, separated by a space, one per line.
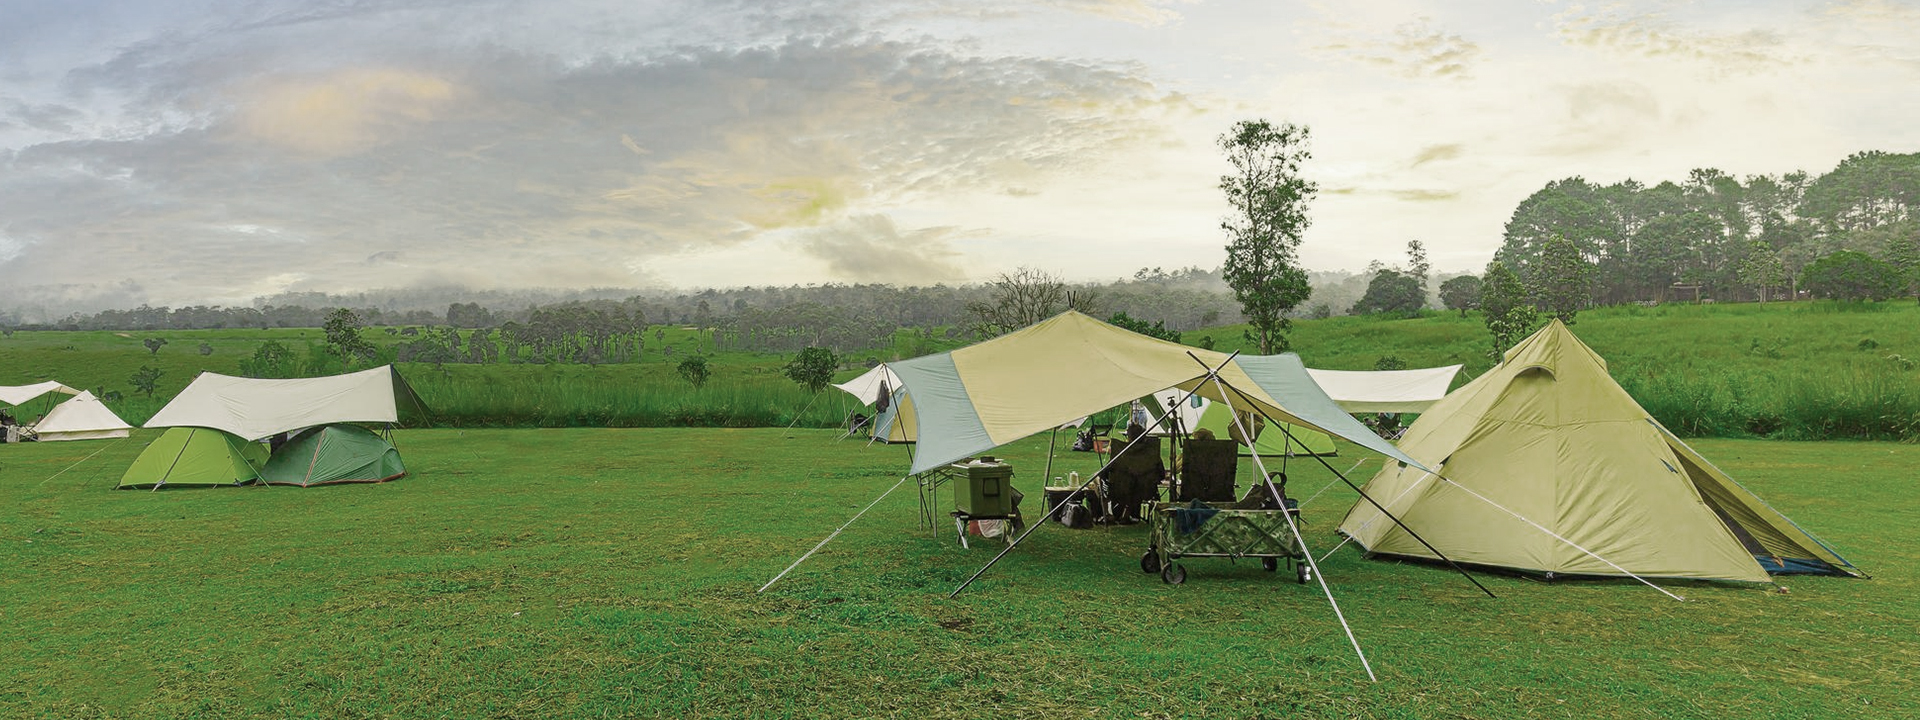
pixel 1436 153
pixel 1414 50
pixel 495 168
pixel 868 248
pixel 1656 36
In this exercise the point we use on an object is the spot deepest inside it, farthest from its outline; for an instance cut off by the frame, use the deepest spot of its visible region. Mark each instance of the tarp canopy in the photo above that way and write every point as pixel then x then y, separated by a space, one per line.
pixel 195 457
pixel 1197 412
pixel 17 394
pixel 255 408
pixel 1549 436
pixel 83 417
pixel 872 384
pixel 1386 391
pixel 991 393
pixel 333 454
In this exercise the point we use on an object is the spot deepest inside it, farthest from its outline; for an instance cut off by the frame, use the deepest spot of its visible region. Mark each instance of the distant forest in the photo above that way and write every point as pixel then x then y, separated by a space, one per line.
pixel 1852 233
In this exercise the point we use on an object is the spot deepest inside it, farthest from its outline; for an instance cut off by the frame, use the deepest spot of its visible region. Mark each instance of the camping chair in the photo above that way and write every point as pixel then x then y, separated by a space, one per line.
pixel 1132 478
pixel 1207 471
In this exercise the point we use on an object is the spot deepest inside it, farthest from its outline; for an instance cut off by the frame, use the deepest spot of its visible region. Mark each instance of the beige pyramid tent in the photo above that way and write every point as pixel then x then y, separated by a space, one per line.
pixel 83 417
pixel 1549 436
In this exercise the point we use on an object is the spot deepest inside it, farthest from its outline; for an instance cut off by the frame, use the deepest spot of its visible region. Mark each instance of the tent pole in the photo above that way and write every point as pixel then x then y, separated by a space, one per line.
pixel 834 534
pixel 1053 441
pixel 1293 527
pixel 1076 491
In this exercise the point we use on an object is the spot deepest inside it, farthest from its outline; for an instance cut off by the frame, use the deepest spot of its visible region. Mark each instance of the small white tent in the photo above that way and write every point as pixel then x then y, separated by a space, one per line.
pixel 82 418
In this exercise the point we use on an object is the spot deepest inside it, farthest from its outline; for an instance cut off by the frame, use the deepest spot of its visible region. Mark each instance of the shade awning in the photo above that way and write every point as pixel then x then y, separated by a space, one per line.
pixel 254 408
pixel 1393 391
pixel 17 394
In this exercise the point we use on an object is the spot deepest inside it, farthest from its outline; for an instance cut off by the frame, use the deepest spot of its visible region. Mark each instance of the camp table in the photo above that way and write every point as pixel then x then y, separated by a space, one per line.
pixel 1231 532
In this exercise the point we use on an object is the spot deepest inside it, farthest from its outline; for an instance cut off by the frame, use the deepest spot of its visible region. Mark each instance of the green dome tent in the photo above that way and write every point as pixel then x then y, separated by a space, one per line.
pixel 333 454
pixel 195 457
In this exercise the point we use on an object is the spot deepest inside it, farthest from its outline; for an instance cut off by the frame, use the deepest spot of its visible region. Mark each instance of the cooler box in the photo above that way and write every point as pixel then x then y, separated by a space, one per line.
pixel 987 489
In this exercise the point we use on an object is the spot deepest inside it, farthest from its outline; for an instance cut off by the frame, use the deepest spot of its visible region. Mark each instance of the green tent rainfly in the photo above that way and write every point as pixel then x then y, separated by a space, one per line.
pixel 195 457
pixel 333 454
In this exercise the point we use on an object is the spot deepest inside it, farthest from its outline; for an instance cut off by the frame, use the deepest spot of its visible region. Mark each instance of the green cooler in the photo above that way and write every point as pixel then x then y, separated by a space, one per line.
pixel 987 489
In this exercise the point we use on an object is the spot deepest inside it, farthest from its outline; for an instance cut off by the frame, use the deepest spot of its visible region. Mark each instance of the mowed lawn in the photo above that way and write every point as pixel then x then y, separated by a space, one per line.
pixel 612 573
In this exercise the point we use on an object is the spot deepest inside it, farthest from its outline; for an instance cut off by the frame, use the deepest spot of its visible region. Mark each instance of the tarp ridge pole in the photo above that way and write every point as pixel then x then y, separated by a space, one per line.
pixel 1305 552
pixel 1090 478
pixel 834 534
pixel 1557 536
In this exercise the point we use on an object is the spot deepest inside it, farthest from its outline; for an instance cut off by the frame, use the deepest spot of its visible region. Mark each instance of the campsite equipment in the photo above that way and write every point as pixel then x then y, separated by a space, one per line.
pixel 1249 528
pixel 195 457
pixel 986 489
pixel 82 417
pixel 333 454
pixel 1545 465
pixel 1207 470
pixel 18 395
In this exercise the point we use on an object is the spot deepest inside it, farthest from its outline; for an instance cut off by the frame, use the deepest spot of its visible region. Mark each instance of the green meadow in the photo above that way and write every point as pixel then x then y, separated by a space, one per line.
pixel 595 572
pixel 1795 371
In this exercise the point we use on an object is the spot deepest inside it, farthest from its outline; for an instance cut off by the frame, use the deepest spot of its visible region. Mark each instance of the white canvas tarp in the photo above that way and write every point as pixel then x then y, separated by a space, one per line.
pixel 82 418
pixel 17 394
pixel 1386 391
pixel 868 386
pixel 255 409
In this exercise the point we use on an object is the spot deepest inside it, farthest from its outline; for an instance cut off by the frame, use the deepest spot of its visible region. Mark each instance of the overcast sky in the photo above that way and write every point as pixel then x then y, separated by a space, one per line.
pixel 212 151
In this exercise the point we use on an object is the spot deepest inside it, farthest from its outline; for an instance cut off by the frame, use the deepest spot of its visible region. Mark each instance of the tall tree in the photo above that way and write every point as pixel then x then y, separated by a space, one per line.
pixel 1903 253
pixel 1269 200
pixel 343 336
pixel 1508 309
pixel 1419 268
pixel 1563 281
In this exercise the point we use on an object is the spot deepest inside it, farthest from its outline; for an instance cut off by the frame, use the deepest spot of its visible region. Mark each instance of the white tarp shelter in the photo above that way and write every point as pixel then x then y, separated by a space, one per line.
pixel 18 394
pixel 1386 391
pixel 255 409
pixel 83 417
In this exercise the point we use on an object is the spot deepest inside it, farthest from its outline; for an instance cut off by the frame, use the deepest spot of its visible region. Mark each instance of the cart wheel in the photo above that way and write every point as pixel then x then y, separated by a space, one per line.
pixel 1271 564
pixel 1150 562
pixel 1173 574
pixel 1304 572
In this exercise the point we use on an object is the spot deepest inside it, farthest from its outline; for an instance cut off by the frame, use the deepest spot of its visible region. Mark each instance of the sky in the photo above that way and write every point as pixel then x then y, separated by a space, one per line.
pixel 216 151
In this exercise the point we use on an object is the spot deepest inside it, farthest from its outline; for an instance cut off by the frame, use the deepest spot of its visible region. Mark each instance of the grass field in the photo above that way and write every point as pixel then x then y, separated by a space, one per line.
pixel 1796 371
pixel 611 573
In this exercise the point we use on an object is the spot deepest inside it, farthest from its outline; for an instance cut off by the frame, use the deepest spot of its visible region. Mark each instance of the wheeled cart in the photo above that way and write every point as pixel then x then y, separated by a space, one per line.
pixel 1182 531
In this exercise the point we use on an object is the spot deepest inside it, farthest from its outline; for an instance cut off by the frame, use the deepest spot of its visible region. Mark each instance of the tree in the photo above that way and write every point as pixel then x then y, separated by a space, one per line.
pixel 1762 268
pixel 1418 268
pixel 1509 311
pixel 1849 275
pixel 206 349
pixel 813 367
pixel 694 370
pixel 1563 279
pixel 1392 291
pixel 1903 253
pixel 145 379
pixel 1157 330
pixel 1461 293
pixel 1269 200
pixel 153 345
pixel 342 329
pixel 1024 297
pixel 270 360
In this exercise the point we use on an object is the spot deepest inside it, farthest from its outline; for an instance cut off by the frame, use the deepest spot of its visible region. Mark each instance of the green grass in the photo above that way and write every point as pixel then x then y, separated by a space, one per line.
pixel 1800 371
pixel 611 573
